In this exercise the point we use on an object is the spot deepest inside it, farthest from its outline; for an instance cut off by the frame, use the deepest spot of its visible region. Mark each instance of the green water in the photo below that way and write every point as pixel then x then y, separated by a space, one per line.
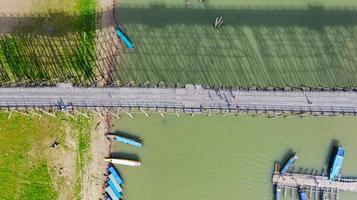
pixel 274 43
pixel 226 157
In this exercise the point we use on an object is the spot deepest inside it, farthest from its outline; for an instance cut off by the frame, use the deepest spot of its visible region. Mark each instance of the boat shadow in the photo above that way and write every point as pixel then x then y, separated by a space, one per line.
pixel 287 157
pixel 125 155
pixel 127 135
pixel 330 156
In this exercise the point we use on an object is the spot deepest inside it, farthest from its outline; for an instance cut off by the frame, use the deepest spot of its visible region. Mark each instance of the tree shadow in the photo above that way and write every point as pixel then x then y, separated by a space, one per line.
pixel 56 47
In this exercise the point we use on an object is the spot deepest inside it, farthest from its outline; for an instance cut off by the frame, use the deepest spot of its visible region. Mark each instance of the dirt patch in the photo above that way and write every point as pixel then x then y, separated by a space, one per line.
pixel 94 172
pixel 62 162
pixel 12 6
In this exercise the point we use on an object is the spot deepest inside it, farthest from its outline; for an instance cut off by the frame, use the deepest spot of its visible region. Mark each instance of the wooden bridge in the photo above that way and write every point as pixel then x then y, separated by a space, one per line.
pixel 192 99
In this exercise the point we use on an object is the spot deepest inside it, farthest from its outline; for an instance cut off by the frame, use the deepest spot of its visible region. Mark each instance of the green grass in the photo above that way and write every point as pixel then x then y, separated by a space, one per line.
pixel 39 185
pixel 283 44
pixel 23 170
pixel 227 157
pixel 58 48
pixel 82 125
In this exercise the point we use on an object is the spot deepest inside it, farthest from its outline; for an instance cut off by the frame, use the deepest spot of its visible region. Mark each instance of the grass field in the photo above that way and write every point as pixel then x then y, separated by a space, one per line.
pixel 53 43
pixel 226 157
pixel 29 168
pixel 277 43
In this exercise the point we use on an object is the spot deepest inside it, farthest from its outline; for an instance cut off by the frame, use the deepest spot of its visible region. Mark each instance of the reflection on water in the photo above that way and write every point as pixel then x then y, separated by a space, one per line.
pixel 227 157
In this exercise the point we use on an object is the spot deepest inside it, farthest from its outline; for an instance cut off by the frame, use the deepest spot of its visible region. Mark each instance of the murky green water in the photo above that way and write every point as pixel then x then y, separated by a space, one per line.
pixel 226 157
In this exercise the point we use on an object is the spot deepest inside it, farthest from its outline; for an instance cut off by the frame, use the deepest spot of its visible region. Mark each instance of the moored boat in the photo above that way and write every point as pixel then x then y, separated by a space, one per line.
pixel 337 164
pixel 111 193
pixel 127 162
pixel 324 195
pixel 302 194
pixel 113 171
pixel 289 164
pixel 277 192
pixel 125 140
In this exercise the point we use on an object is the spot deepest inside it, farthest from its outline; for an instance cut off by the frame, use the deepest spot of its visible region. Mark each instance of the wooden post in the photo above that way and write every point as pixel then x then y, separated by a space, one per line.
pixel 130 115
pixel 48 113
pixel 147 115
pixel 8 117
pixel 22 113
pixel 292 192
pixel 162 115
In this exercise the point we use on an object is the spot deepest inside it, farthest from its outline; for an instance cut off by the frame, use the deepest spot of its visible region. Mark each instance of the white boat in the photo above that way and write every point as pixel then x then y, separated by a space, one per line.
pixel 118 161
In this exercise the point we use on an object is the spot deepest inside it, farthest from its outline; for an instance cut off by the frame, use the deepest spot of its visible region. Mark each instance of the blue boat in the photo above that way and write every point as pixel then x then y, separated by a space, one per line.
pixel 116 184
pixel 124 38
pixel 290 163
pixel 277 192
pixel 302 194
pixel 125 140
pixel 115 190
pixel 337 164
pixel 115 174
pixel 111 193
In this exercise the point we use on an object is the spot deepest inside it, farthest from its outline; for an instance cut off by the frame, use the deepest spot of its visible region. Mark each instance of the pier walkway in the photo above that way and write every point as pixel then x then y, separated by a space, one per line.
pixel 313 181
pixel 189 99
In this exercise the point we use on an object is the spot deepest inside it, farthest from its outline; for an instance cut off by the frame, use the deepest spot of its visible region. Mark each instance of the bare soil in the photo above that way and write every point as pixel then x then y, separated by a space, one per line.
pixel 63 161
pixel 12 6
pixel 94 173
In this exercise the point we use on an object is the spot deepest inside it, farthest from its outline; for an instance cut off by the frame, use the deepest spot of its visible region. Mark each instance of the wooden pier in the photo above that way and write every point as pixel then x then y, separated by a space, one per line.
pixel 314 184
pixel 315 181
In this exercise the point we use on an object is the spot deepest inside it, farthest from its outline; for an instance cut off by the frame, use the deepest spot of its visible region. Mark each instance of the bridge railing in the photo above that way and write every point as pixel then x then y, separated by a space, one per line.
pixel 193 108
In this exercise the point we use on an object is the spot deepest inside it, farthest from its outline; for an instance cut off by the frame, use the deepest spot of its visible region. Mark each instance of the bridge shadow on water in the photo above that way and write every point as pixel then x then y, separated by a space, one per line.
pixel 44 48
pixel 277 46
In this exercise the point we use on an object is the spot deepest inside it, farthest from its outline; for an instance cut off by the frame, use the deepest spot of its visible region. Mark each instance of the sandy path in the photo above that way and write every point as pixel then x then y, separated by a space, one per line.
pixel 94 172
pixel 12 6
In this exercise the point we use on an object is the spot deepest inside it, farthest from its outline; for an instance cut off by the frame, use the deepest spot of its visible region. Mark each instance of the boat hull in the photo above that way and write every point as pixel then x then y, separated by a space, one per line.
pixel 124 162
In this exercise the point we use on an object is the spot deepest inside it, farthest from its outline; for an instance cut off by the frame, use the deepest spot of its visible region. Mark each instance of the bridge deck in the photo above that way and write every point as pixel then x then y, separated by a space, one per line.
pixel 189 97
pixel 304 180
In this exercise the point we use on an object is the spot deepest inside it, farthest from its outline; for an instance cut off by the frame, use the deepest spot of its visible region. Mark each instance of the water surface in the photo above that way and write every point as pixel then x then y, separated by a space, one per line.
pixel 226 157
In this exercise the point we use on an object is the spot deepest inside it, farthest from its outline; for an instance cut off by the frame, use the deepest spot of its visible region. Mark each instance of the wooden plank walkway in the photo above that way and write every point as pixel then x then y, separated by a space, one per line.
pixel 189 99
pixel 314 181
